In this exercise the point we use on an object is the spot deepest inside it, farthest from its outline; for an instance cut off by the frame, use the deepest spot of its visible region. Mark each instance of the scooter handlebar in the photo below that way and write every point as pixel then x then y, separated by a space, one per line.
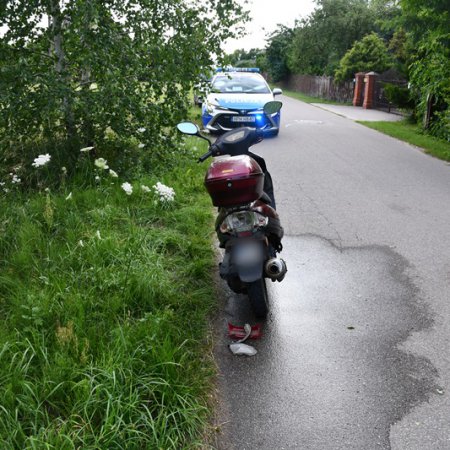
pixel 220 147
pixel 204 157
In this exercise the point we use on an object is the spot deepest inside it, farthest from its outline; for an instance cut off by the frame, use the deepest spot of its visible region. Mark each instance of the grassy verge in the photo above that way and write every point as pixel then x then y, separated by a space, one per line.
pixel 412 134
pixel 308 99
pixel 103 299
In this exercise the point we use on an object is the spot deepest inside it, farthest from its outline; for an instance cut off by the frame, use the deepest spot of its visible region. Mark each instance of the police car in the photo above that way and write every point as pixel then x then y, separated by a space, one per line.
pixel 236 98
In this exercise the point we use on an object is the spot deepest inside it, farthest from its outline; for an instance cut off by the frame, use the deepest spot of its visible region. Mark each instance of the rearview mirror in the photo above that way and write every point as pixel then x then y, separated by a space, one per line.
pixel 188 128
pixel 277 91
pixel 272 107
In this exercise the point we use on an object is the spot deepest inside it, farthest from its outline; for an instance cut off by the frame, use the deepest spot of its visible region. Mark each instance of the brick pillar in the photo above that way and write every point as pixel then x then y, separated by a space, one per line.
pixel 369 91
pixel 359 86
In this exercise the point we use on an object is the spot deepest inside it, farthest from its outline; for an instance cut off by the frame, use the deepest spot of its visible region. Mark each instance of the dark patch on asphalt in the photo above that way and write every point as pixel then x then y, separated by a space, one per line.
pixel 399 208
pixel 330 372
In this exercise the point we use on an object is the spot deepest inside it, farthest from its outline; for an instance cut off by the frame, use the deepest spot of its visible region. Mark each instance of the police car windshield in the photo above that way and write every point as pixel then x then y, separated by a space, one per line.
pixel 239 84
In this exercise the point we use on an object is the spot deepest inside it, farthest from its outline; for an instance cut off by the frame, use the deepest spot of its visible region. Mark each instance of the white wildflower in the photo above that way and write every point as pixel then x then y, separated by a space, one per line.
pixel 64 170
pixel 47 190
pixel 15 179
pixel 127 188
pixel 78 89
pixel 141 145
pixel 69 196
pixel 98 235
pixel 86 149
pixel 6 190
pixel 97 178
pixel 141 130
pixel 93 87
pixel 101 163
pixel 2 183
pixel 113 174
pixel 166 193
pixel 41 160
pixel 145 188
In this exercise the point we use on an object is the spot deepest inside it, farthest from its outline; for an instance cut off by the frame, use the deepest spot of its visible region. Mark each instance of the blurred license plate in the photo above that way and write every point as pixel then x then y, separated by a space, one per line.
pixel 243 119
pixel 247 254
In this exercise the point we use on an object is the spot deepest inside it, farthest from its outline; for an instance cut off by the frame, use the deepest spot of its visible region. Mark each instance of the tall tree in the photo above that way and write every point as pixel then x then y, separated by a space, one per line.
pixel 80 70
pixel 322 39
pixel 277 51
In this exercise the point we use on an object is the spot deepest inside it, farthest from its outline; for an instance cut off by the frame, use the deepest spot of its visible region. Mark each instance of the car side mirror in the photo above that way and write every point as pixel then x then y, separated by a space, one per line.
pixel 277 91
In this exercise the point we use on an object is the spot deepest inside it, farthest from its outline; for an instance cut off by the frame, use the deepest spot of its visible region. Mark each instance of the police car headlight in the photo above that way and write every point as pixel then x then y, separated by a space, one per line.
pixel 212 108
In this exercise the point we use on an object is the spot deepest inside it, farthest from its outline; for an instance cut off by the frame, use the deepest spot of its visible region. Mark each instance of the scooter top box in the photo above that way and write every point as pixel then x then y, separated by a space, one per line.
pixel 234 180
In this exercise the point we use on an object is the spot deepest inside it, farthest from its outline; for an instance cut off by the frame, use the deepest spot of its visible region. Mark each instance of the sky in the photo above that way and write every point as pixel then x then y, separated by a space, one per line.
pixel 265 15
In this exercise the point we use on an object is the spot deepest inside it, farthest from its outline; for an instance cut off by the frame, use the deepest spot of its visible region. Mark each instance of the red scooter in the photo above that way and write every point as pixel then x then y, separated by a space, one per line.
pixel 247 225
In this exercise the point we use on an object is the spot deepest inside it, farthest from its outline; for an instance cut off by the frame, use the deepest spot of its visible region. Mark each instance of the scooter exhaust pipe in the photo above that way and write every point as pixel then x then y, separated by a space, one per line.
pixel 276 269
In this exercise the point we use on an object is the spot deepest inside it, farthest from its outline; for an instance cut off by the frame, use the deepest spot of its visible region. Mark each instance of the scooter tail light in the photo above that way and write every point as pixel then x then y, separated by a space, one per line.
pixel 243 222
pixel 245 234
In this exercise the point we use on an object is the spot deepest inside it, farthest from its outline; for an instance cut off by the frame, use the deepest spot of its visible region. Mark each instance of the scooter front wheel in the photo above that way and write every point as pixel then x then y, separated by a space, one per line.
pixel 257 293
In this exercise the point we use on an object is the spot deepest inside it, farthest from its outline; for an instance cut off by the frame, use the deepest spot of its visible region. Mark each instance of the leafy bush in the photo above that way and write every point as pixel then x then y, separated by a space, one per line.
pixel 398 95
pixel 368 54
pixel 430 75
pixel 427 25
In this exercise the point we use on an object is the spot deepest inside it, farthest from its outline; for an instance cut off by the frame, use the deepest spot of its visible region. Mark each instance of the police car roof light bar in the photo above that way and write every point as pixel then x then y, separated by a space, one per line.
pixel 238 69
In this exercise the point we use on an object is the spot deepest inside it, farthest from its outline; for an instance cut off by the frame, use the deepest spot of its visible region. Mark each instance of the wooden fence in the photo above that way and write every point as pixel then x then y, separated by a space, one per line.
pixel 320 86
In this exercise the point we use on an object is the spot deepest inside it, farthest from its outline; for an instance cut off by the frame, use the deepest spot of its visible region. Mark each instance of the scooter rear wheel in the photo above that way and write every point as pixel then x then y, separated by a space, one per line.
pixel 257 293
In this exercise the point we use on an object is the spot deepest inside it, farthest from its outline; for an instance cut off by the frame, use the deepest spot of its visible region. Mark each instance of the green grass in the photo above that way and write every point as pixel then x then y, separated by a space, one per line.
pixel 104 300
pixel 412 134
pixel 308 99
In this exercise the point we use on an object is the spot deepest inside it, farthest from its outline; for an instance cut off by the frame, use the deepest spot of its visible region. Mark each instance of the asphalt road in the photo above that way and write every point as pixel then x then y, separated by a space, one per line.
pixel 355 352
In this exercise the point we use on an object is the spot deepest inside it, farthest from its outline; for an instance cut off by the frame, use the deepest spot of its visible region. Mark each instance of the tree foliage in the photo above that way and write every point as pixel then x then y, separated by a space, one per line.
pixel 82 71
pixel 386 15
pixel 244 58
pixel 427 21
pixel 368 54
pixel 276 56
pixel 411 35
pixel 402 50
pixel 322 39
